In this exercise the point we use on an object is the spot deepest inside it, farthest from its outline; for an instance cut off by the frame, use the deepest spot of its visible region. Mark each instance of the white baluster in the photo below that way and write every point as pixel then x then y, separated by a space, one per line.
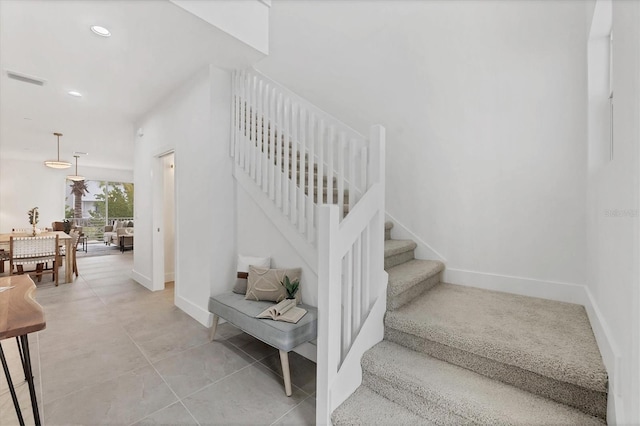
pixel 303 168
pixel 267 127
pixel 234 119
pixel 331 141
pixel 288 175
pixel 243 118
pixel 320 186
pixel 281 133
pixel 257 167
pixel 363 170
pixel 342 146
pixel 249 135
pixel 366 270
pixel 311 161
pixel 357 285
pixel 352 173
pixel 275 127
pixel 293 217
pixel 347 303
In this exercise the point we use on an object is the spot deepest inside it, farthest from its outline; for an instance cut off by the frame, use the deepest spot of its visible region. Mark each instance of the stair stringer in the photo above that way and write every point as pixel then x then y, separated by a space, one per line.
pixel 372 332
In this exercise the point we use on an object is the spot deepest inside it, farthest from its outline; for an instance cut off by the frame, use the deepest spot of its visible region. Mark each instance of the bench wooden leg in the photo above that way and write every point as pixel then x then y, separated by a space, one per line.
pixel 284 360
pixel 214 326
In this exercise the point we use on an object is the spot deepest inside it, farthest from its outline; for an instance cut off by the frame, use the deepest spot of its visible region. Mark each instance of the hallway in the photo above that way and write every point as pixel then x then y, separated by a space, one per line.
pixel 115 353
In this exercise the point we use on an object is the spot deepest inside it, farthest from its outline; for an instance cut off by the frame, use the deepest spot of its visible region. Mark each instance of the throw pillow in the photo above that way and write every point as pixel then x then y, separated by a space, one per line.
pixel 265 284
pixel 240 286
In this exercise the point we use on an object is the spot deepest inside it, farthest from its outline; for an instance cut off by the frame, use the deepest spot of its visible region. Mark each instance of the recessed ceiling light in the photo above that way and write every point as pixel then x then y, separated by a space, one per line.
pixel 80 153
pixel 27 118
pixel 101 31
pixel 76 94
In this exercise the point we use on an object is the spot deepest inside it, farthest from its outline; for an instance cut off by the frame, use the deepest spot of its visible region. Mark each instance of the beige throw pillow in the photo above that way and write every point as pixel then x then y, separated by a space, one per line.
pixel 264 284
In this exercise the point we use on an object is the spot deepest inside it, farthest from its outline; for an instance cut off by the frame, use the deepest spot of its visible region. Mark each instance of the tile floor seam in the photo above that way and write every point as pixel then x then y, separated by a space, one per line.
pixel 293 408
pixel 197 345
pixel 161 377
pixel 217 381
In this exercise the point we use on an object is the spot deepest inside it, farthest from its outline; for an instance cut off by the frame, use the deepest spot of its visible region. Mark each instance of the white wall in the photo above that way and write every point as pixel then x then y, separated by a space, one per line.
pixel 612 217
pixel 485 109
pixel 194 122
pixel 27 184
pixel 257 236
pixel 246 20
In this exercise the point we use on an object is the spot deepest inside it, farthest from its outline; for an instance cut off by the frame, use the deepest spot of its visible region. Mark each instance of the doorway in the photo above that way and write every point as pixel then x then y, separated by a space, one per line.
pixel 164 222
pixel 168 168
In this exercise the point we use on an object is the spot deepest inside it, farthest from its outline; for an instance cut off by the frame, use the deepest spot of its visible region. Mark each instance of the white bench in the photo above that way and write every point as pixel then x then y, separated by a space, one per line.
pixel 281 335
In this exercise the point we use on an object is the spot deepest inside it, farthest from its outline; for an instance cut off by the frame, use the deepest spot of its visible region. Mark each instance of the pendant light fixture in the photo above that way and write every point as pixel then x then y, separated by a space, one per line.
pixel 76 177
pixel 57 164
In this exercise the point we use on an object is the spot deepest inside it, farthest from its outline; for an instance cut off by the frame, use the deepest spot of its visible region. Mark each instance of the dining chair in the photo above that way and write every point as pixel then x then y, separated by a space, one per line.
pixel 35 250
pixel 75 237
pixel 4 255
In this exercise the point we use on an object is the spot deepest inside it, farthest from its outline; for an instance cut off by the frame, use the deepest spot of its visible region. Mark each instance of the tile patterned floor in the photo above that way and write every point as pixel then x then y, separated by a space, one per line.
pixel 115 353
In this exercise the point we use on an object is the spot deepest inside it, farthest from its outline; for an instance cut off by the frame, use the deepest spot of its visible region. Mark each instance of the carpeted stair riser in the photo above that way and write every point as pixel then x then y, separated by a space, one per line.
pixel 399 300
pixel 588 401
pixel 410 401
pixel 388 226
pixel 365 407
pixel 410 279
pixel 447 394
pixel 397 259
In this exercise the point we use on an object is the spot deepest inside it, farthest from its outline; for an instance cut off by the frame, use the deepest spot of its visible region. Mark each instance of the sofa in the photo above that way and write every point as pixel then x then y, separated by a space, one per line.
pixel 114 232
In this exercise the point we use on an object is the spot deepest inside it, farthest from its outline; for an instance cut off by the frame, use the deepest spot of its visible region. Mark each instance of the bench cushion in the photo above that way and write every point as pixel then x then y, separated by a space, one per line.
pixel 279 334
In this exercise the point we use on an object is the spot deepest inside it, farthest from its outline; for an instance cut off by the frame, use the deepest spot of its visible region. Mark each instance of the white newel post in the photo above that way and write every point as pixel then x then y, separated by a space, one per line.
pixel 329 281
pixel 377 175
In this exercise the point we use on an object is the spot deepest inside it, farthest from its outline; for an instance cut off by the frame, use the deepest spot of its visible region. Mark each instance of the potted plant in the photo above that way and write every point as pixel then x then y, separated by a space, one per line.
pixel 34 216
pixel 290 286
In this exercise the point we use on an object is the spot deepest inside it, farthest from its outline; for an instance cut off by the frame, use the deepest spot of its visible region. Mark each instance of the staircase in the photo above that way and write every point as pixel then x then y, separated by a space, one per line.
pixel 456 355
pixel 450 354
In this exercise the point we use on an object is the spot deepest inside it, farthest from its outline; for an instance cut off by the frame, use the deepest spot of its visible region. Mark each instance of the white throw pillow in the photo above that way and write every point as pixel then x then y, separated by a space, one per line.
pixel 260 262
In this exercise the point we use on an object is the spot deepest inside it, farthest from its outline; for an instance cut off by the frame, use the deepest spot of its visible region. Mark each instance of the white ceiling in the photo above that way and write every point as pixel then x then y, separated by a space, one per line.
pixel 154 46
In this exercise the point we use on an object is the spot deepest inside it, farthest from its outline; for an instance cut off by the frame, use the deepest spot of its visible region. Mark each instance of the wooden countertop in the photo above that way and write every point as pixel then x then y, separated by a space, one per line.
pixel 19 312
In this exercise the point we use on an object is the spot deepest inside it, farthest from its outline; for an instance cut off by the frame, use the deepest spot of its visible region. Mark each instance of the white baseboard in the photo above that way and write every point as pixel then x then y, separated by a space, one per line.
pixel 141 279
pixel 169 276
pixel 424 250
pixel 203 316
pixel 562 292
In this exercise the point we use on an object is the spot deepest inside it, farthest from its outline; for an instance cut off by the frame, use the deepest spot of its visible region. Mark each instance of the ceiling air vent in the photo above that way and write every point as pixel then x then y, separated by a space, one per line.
pixel 26 78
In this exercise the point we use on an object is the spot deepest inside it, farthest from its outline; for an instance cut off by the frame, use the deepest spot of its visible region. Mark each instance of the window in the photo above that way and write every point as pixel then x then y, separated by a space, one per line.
pixel 93 204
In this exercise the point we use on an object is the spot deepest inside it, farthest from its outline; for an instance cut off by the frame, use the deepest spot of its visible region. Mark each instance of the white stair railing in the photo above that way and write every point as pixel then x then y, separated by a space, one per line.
pixel 327 180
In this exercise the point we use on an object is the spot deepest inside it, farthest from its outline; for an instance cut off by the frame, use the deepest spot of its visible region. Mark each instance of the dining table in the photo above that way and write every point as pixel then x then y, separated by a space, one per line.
pixel 63 238
pixel 20 315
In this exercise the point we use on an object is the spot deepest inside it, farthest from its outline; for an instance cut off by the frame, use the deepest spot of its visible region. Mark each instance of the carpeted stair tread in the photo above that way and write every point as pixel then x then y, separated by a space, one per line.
pixel 552 339
pixel 365 407
pixel 393 247
pixel 442 392
pixel 411 273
